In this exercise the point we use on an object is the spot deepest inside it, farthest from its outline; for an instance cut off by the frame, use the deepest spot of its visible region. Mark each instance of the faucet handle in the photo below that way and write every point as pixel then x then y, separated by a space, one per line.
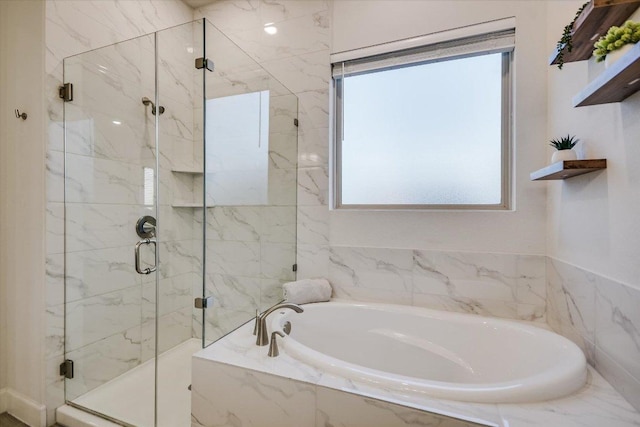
pixel 273 345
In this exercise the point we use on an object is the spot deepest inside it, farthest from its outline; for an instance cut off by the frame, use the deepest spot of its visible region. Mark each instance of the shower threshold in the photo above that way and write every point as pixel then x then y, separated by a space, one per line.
pixel 129 397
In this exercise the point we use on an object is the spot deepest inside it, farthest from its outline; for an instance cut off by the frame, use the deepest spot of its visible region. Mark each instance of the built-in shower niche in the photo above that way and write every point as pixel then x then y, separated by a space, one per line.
pixel 142 137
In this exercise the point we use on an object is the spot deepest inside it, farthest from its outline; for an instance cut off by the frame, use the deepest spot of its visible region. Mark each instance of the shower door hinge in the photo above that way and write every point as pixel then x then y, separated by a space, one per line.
pixel 66 368
pixel 204 63
pixel 66 92
pixel 203 302
pixel 295 267
pixel 295 122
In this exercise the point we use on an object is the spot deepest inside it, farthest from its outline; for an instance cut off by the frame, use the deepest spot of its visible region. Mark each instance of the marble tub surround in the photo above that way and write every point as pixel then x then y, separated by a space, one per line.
pixel 501 285
pixel 236 371
pixel 600 315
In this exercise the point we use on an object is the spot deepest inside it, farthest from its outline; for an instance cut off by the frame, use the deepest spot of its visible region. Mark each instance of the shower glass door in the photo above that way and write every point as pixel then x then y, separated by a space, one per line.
pixel 180 184
pixel 133 226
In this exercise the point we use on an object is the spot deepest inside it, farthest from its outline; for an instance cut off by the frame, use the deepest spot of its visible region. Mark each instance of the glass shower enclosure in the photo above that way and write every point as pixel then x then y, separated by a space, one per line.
pixel 180 213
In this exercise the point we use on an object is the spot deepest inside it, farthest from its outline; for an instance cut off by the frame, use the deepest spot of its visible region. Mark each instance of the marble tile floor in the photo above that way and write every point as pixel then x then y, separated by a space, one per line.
pixel 129 397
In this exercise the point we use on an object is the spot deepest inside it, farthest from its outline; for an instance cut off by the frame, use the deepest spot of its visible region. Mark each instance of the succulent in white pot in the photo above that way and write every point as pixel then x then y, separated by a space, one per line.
pixel 564 147
pixel 618 41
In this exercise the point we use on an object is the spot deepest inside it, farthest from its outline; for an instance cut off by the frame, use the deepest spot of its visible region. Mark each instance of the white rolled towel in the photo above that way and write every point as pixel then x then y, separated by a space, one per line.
pixel 307 290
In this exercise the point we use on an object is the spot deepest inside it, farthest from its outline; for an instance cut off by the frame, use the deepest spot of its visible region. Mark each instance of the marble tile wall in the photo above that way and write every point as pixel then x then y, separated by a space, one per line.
pixel 298 57
pixel 506 285
pixel 601 316
pixel 104 162
pixel 250 248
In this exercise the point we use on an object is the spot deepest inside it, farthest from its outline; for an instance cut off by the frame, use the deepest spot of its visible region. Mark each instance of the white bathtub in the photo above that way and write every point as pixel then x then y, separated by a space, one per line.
pixel 434 353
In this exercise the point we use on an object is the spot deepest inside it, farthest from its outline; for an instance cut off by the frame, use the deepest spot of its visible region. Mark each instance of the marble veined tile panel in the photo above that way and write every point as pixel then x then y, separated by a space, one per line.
pixel 571 299
pixel 103 360
pixel 283 109
pixel 313 186
pixel 235 223
pixel 54 330
pixel 174 328
pixel 276 260
pixel 139 17
pixel 95 272
pixel 279 224
pixel 310 71
pixel 113 136
pixel 55 228
pixel 132 60
pixel 313 225
pixel 282 187
pixel 471 275
pixel 55 176
pixel 312 260
pixel 339 409
pixel 99 226
pixel 237 15
pixel 179 257
pixel 220 393
pixel 54 270
pixel 92 180
pixel 481 306
pixel 283 148
pixel 313 147
pixel 314 109
pixel 617 329
pixel 296 36
pixel 371 268
pixel 95 318
pixel 233 258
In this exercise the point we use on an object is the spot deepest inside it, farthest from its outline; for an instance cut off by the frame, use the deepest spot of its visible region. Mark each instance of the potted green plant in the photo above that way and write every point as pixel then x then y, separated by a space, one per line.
pixel 566 41
pixel 564 147
pixel 618 41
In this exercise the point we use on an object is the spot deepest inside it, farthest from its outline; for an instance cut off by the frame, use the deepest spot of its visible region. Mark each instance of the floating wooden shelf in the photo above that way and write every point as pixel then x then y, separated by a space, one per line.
pixel 593 22
pixel 616 83
pixel 568 168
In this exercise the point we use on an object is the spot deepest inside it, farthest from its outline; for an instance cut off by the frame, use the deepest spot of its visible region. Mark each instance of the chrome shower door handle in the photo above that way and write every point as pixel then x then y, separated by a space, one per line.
pixel 137 256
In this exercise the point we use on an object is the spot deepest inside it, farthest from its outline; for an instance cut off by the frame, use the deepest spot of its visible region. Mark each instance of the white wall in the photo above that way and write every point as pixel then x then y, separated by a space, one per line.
pixel 22 210
pixel 593 273
pixel 593 220
pixel 3 137
pixel 363 23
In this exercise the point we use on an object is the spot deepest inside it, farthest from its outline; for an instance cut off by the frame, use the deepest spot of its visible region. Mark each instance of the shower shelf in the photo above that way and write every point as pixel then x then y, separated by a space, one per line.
pixel 567 169
pixel 187 205
pixel 187 170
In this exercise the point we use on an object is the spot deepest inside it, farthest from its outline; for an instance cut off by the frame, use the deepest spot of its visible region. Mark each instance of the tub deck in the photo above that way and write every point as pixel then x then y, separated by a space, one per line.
pixel 233 379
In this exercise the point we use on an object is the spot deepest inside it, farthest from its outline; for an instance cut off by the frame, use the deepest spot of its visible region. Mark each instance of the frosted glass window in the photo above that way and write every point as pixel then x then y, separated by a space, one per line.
pixel 425 135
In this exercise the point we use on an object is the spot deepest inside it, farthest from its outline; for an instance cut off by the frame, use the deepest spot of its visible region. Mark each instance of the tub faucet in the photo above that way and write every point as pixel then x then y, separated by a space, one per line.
pixel 260 329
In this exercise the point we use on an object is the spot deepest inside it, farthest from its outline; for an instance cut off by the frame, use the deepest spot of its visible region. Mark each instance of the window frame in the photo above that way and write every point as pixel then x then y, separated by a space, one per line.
pixel 506 202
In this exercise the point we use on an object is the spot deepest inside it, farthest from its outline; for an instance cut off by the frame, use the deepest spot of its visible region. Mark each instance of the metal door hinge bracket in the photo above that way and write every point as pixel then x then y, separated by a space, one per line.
pixel 296 122
pixel 295 267
pixel 66 92
pixel 204 63
pixel 66 368
pixel 203 302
